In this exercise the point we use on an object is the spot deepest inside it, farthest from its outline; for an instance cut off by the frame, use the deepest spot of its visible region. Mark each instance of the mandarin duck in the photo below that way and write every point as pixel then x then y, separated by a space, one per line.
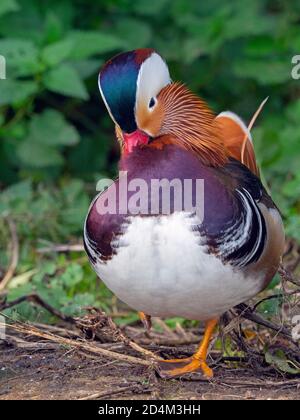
pixel 176 263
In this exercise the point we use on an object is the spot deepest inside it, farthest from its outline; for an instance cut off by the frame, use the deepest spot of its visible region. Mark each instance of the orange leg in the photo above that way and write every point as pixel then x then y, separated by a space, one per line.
pixel 146 320
pixel 193 363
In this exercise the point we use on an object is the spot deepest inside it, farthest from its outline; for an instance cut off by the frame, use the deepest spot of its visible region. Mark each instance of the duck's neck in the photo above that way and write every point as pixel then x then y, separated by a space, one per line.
pixel 190 123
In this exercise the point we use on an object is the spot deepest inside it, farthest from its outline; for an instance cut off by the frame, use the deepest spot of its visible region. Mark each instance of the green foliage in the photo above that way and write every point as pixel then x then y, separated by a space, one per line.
pixel 65 80
pixel 47 133
pixel 279 361
pixel 65 284
pixel 56 136
pixel 8 6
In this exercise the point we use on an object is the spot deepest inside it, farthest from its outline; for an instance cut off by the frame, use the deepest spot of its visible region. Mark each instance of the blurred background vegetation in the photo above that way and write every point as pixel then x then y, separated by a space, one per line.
pixel 56 139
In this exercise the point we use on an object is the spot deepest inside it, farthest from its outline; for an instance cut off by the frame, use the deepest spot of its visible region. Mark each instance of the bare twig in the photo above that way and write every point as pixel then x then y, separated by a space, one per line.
pixel 81 345
pixel 93 324
pixel 61 248
pixel 22 344
pixel 111 392
pixel 39 301
pixel 247 313
pixel 278 296
pixel 164 341
pixel 287 275
pixel 99 324
pixel 260 383
pixel 165 328
pixel 14 246
pixel 64 332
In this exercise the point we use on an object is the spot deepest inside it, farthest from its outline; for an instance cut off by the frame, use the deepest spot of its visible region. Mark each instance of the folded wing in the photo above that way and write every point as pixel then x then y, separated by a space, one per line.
pixel 237 139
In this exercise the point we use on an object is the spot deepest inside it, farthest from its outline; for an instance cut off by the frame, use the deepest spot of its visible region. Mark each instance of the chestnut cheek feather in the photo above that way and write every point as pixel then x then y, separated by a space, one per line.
pixel 149 121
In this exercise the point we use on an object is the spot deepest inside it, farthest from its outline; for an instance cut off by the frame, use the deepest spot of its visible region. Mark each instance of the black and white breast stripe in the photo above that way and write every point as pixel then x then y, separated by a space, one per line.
pixel 90 246
pixel 243 243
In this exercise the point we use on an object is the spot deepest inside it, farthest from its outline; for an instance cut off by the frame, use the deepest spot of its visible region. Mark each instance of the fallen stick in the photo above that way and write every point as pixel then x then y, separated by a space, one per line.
pixel 90 348
pixel 22 344
pixel 61 248
pixel 83 323
pixel 246 312
pixel 14 254
pixel 286 275
pixel 39 301
pixel 110 393
pixel 100 324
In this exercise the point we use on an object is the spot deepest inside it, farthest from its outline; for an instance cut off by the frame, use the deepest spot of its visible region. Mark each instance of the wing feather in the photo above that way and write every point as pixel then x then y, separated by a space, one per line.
pixel 237 139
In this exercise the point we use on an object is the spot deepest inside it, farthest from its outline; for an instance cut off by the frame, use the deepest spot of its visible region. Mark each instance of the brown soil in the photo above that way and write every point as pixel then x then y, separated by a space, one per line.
pixel 54 372
pixel 92 358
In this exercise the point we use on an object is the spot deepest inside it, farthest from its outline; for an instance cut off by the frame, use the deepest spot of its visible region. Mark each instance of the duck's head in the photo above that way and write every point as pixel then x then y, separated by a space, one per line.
pixel 129 84
pixel 145 104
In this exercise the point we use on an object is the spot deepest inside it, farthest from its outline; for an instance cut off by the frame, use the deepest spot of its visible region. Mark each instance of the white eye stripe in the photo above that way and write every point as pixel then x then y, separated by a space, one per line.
pixel 153 76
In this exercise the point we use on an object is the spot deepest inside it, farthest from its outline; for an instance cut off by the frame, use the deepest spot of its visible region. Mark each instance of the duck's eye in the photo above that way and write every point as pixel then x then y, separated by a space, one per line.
pixel 151 103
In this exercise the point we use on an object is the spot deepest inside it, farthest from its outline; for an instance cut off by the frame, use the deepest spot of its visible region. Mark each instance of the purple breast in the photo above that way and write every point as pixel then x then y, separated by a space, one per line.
pixel 104 231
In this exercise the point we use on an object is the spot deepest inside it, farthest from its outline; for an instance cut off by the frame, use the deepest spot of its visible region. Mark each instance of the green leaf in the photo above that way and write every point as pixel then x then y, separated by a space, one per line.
pixel 51 128
pixel 72 275
pixel 88 43
pixel 13 92
pixel 38 155
pixel 19 291
pixel 25 24
pixel 292 188
pixel 244 21
pixel 53 28
pixel 280 361
pixel 65 80
pixel 8 6
pixel 293 112
pixel 46 132
pixel 22 190
pixel 260 46
pixel 16 197
pixel 55 53
pixel 87 68
pixel 265 72
pixel 293 225
pixel 146 7
pixel 21 57
pixel 132 30
pixel 77 304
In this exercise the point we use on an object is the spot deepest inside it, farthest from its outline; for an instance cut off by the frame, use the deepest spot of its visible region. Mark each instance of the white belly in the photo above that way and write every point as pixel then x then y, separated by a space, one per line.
pixel 162 269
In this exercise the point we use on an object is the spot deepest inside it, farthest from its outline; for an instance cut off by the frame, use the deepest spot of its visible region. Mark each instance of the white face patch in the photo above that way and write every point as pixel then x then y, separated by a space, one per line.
pixel 153 76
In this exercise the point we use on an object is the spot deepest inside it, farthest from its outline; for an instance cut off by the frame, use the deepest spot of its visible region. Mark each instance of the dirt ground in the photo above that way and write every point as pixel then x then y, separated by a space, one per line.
pixel 46 370
pixel 91 358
